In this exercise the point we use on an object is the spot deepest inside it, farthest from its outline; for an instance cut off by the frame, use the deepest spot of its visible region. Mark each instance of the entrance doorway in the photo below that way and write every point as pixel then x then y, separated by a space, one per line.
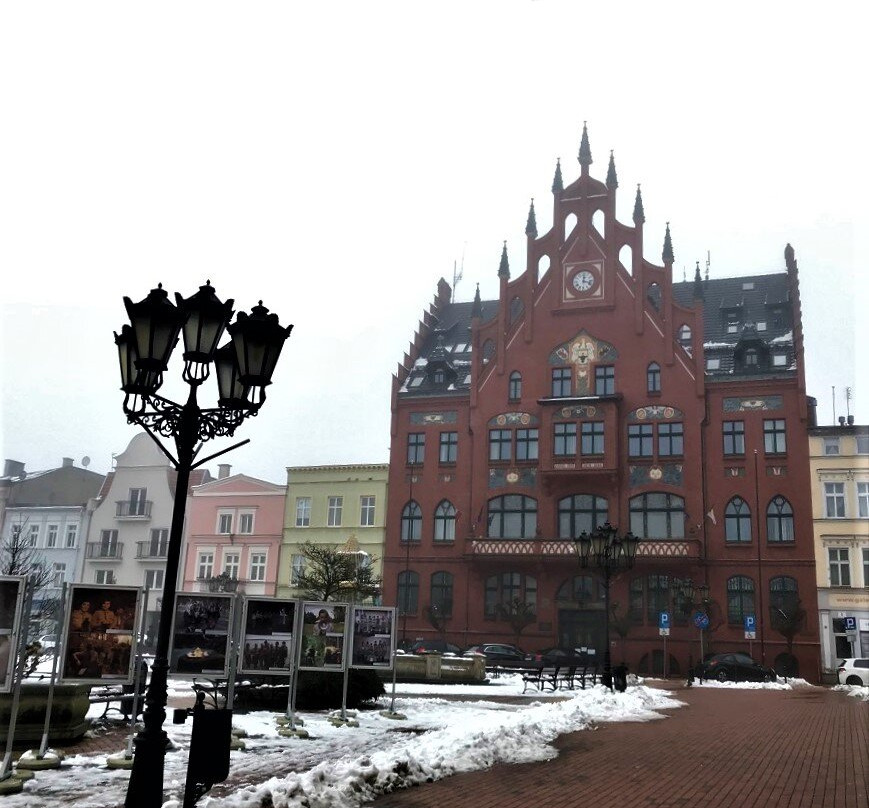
pixel 579 628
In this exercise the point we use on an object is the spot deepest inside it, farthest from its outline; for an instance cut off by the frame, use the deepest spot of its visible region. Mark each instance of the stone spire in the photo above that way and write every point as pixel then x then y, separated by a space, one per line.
pixel 667 255
pixel 612 181
pixel 584 155
pixel 504 266
pixel 531 224
pixel 698 283
pixel 477 307
pixel 557 182
pixel 639 214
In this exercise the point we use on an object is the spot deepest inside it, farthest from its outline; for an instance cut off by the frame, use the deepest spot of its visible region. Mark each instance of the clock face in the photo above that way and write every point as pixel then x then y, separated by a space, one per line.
pixel 583 281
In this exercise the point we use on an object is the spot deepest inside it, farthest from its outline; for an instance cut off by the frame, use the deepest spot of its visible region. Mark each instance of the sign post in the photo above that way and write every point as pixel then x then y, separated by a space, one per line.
pixel 664 631
pixel 750 631
pixel 701 620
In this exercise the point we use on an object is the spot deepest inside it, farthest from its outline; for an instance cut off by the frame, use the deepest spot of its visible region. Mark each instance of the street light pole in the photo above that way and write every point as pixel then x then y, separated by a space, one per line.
pixel 610 554
pixel 244 368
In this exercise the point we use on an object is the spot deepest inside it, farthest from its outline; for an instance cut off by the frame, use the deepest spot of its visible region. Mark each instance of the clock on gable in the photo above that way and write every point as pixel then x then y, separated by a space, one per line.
pixel 583 281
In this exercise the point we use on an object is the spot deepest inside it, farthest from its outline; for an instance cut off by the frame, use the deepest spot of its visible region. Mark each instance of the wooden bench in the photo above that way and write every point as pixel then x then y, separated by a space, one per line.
pixel 117 698
pixel 578 675
pixel 542 678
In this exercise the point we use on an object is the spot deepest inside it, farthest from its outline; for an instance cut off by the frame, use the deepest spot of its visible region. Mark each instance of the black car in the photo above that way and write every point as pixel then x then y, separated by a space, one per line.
pixel 562 657
pixel 498 652
pixel 735 667
pixel 434 646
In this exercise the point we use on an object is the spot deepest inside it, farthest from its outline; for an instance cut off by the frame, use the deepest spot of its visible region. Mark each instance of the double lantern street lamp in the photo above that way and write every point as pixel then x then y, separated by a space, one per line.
pixel 244 366
pixel 609 554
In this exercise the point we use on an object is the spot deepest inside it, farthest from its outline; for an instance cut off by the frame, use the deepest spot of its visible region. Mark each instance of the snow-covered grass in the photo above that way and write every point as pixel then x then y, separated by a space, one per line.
pixel 449 729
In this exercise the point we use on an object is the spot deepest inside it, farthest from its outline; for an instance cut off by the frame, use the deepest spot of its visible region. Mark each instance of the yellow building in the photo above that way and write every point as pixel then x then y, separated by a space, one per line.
pixel 336 506
pixel 839 457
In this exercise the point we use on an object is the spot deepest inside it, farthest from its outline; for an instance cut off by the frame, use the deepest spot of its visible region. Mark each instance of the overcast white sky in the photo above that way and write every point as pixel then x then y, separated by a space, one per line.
pixel 335 158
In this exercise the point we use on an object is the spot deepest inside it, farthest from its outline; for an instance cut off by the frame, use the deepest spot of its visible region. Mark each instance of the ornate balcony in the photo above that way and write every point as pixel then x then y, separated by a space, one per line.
pixel 649 549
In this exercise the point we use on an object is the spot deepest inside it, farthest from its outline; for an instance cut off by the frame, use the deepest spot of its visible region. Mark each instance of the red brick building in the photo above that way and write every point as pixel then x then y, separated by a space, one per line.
pixel 597 389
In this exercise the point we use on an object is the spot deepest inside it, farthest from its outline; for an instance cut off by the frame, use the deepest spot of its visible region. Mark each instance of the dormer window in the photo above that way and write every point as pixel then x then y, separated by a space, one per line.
pixel 747 286
pixel 732 326
pixel 761 325
pixel 439 377
pixel 750 358
pixel 779 360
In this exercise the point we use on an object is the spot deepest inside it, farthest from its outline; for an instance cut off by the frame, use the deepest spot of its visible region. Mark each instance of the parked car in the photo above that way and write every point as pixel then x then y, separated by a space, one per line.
pixel 48 642
pixel 497 652
pixel 854 672
pixel 735 667
pixel 562 657
pixel 434 646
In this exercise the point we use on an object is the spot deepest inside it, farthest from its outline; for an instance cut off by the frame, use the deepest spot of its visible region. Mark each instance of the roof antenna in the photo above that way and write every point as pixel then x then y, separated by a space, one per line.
pixel 684 276
pixel 834 403
pixel 848 403
pixel 708 262
pixel 457 273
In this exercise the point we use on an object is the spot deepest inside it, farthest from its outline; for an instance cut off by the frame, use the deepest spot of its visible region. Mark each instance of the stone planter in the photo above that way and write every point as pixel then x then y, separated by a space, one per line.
pixel 68 713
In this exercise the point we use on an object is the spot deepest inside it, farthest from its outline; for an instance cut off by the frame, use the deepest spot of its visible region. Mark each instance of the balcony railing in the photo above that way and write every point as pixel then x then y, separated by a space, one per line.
pixel 125 509
pixel 152 549
pixel 650 549
pixel 112 552
pixel 221 583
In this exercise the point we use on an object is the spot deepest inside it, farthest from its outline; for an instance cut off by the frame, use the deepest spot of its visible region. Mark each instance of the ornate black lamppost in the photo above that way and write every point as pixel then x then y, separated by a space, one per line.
pixel 244 368
pixel 608 553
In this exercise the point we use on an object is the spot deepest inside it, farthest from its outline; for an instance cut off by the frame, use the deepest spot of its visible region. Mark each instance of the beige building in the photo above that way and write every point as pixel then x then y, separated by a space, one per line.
pixel 333 506
pixel 839 457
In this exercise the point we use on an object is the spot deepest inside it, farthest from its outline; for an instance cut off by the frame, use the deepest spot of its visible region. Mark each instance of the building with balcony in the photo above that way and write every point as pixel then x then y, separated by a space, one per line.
pixel 596 389
pixel 128 536
pixel 233 537
pixel 48 512
pixel 840 501
pixel 336 506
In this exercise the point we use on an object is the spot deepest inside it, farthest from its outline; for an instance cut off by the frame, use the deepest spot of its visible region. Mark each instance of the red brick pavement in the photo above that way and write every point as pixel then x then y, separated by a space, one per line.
pixel 805 748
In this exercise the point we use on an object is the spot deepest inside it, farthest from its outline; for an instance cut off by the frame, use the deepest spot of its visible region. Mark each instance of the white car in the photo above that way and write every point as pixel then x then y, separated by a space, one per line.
pixel 853 672
pixel 48 642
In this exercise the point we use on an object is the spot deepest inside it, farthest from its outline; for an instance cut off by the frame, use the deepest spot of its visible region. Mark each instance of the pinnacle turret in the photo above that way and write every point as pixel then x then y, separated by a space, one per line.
pixel 698 283
pixel 531 224
pixel 477 307
pixel 667 255
pixel 557 182
pixel 639 213
pixel 504 266
pixel 584 155
pixel 612 181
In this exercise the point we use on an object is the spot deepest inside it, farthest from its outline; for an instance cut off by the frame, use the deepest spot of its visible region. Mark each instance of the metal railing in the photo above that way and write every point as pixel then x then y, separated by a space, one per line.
pixel 125 509
pixel 96 549
pixel 152 549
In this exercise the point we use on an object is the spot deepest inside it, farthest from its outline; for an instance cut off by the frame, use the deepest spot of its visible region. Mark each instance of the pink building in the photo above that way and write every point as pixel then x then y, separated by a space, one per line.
pixel 233 537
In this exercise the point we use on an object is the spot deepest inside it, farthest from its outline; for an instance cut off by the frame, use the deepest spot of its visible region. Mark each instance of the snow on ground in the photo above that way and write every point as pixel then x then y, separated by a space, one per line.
pixel 857 691
pixel 779 684
pixel 449 729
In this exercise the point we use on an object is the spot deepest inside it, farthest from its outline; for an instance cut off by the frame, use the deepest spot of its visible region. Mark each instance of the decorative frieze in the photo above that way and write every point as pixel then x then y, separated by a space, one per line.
pixel 424 418
pixel 667 473
pixel 514 419
pixel 526 477
pixel 749 404
pixel 655 412
pixel 578 411
pixel 582 352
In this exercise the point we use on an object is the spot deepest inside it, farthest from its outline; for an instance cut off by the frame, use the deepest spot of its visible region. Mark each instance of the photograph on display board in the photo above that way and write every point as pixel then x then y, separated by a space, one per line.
pixel 267 636
pixel 11 595
pixel 322 642
pixel 200 635
pixel 372 645
pixel 100 633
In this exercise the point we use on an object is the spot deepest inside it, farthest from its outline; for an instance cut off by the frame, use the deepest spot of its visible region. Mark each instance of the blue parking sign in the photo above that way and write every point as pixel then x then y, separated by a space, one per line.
pixel 750 623
pixel 664 620
pixel 850 624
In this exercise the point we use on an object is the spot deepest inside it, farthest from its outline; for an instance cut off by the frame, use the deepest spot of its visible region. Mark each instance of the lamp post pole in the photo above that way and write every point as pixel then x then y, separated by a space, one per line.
pixel 610 554
pixel 244 368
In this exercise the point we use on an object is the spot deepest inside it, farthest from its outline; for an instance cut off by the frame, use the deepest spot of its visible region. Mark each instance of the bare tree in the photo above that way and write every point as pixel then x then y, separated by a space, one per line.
pixel 330 574
pixel 518 614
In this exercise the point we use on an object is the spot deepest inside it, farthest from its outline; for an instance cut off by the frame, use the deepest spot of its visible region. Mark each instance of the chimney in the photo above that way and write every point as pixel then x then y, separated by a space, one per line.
pixel 67 462
pixel 13 468
pixel 812 403
pixel 850 420
pixel 223 470
pixel 841 420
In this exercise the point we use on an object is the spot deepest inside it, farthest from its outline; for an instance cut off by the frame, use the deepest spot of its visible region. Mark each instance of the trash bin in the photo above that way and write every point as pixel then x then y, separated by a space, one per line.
pixel 620 677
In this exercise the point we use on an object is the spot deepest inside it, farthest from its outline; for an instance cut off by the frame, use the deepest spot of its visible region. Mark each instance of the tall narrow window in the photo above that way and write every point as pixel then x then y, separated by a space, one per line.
pixel 670 439
pixel 104 577
pixel 449 447
pixel 138 498
pixel 658 516
pixel 205 567
pixel 224 523
pixel 32 536
pixel 441 596
pixel 774 437
pixel 737 520
pixel 71 536
pixel 740 599
pixel 298 568
pixel 834 500
pixel 592 438
pixel 564 440
pixel 863 501
pixel 515 387
pixel 245 523
pixel 500 441
pixel 411 522
pixel 366 511
pixel 415 448
pixel 334 511
pixel 154 579
pixel 445 522
pixel 257 566
pixel 653 378
pixel 58 573
pixel 231 563
pixel 733 433
pixel 580 513
pixel 51 536
pixel 408 592
pixel 604 380
pixel 526 444
pixel 303 511
pixel 779 520
pixel 512 517
pixel 657 597
pixel 561 379
pixel 158 546
pixel 840 566
pixel 640 440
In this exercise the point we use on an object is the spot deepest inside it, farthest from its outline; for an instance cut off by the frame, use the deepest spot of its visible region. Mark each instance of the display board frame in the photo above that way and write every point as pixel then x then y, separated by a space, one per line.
pixel 12 592
pixel 207 637
pixel 372 644
pixel 321 647
pixel 260 635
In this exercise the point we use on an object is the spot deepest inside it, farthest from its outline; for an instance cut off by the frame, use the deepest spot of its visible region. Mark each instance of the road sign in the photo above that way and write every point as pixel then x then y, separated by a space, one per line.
pixel 850 624
pixel 664 624
pixel 750 627
pixel 701 620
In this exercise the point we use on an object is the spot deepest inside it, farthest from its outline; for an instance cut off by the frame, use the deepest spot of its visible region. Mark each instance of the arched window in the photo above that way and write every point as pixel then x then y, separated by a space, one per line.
pixel 582 589
pixel 784 595
pixel 653 378
pixel 408 592
pixel 737 520
pixel 517 309
pixel 507 588
pixel 740 599
pixel 685 334
pixel 441 595
pixel 411 522
pixel 515 389
pixel 445 522
pixel 658 516
pixel 779 520
pixel 581 512
pixel 512 517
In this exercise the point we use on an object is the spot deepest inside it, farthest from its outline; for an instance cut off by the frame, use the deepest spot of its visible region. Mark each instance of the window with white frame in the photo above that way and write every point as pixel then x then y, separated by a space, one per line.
pixel 71 536
pixel 205 567
pixel 779 360
pixel 863 500
pixel 245 523
pixel 831 446
pixel 154 579
pixel 231 562
pixel 333 514
pixel 257 566
pixel 51 536
pixel 862 442
pixel 303 511
pixel 366 511
pixel 840 567
pixel 224 523
pixel 104 577
pixel 834 500
pixel 713 364
pixel 58 573
pixel 298 568
pixel 31 536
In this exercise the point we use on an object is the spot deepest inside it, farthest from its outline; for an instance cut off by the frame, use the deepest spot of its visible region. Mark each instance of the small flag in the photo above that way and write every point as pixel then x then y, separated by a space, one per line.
pixel 711 515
